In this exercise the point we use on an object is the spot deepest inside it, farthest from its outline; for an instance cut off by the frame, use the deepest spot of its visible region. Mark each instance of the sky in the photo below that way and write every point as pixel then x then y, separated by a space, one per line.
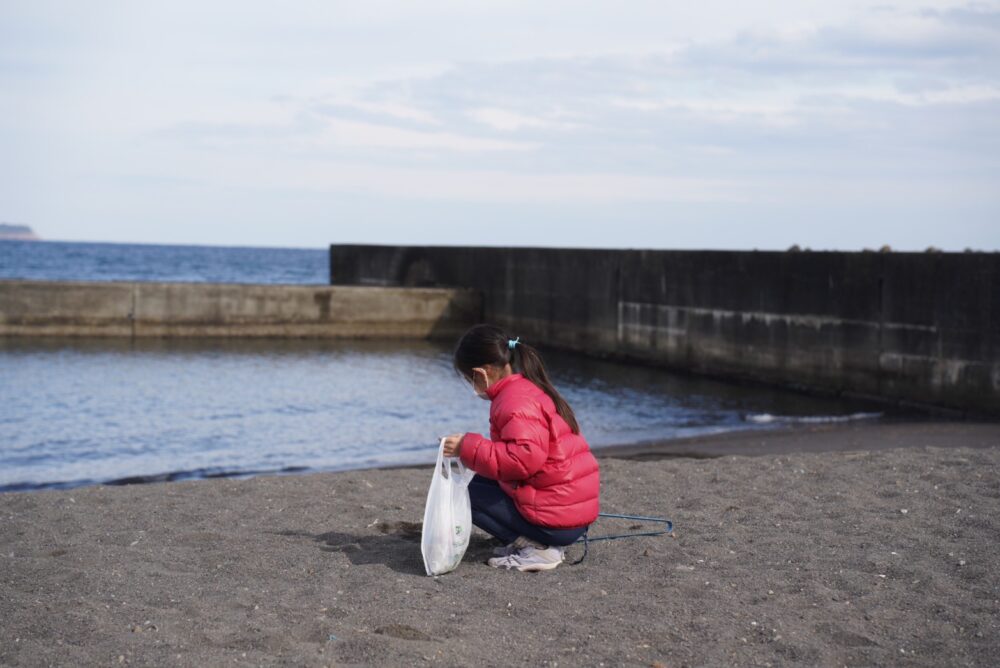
pixel 717 124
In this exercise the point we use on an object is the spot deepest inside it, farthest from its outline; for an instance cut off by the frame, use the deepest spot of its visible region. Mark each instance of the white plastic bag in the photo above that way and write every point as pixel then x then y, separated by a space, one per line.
pixel 447 516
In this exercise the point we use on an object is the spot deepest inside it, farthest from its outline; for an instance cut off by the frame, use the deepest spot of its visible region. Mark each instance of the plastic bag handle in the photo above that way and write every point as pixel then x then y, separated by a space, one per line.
pixel 440 466
pixel 445 466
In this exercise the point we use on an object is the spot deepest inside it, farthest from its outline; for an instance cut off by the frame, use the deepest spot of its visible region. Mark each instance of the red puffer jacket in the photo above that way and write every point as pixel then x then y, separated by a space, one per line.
pixel 539 462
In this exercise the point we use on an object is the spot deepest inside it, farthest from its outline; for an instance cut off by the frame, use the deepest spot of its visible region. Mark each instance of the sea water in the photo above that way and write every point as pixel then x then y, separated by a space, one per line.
pixel 84 411
pixel 73 261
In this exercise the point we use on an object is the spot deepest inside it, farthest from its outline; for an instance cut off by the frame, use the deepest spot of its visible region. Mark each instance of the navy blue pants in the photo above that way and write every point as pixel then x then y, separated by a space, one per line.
pixel 495 513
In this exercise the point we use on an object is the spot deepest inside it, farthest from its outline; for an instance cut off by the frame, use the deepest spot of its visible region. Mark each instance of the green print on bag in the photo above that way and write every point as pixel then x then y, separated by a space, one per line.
pixel 461 538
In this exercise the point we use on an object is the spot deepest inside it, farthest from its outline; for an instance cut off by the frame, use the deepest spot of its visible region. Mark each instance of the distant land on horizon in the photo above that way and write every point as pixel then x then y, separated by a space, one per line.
pixel 17 233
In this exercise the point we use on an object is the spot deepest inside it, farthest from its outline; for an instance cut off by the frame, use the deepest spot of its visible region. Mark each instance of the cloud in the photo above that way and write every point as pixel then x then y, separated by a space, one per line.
pixel 771 112
pixel 799 103
pixel 956 95
pixel 506 120
pixel 976 16
pixel 317 133
pixel 378 109
pixel 487 186
pixel 339 132
pixel 868 101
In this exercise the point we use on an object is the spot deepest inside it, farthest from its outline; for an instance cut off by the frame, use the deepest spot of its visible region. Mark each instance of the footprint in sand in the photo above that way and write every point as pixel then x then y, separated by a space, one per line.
pixel 403 632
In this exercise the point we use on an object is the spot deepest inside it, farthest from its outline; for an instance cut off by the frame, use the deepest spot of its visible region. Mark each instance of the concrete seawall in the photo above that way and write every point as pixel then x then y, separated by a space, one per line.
pixel 138 309
pixel 909 327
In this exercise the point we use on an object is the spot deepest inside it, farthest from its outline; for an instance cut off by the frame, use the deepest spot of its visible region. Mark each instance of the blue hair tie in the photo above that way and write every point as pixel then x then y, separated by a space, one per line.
pixel 511 343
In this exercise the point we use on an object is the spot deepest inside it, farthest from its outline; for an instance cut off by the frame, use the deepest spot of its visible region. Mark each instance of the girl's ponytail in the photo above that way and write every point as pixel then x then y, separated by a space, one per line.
pixel 530 364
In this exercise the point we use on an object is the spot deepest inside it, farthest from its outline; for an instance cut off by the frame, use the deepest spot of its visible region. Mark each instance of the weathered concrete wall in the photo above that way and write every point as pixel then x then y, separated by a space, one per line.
pixel 913 327
pixel 42 308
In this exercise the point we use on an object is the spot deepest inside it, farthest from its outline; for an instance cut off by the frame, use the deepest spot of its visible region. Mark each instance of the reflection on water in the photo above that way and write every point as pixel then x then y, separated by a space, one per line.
pixel 98 410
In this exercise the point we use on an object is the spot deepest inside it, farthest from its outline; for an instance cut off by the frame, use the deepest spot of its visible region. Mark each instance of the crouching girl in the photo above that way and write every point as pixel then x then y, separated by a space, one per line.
pixel 537 483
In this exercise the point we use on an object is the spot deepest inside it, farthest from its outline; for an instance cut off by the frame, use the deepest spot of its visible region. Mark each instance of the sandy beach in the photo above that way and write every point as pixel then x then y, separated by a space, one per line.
pixel 858 556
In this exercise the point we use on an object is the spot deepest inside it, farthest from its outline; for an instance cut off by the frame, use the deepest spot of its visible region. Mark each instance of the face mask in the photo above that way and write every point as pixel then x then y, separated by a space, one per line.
pixel 481 394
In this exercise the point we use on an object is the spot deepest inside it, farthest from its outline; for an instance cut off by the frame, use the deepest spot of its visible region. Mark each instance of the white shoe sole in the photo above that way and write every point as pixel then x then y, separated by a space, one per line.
pixel 526 568
pixel 536 568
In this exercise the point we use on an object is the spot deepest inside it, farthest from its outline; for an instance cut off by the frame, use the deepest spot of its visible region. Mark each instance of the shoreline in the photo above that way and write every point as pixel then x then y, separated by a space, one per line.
pixel 869 435
pixel 864 434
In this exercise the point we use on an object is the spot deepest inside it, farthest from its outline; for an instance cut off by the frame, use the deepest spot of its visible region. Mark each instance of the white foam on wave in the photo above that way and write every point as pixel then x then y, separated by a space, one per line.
pixel 767 418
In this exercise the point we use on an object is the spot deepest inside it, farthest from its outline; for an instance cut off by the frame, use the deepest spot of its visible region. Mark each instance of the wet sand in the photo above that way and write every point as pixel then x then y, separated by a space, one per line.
pixel 882 434
pixel 848 557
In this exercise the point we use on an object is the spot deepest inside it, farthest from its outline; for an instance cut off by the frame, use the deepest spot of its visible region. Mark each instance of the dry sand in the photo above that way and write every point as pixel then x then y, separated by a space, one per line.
pixel 842 558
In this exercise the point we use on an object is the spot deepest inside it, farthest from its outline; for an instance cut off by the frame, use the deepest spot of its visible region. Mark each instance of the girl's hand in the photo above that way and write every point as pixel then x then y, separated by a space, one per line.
pixel 453 445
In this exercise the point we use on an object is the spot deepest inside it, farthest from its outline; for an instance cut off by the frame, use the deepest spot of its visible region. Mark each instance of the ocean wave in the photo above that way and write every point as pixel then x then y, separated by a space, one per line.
pixel 767 418
pixel 170 476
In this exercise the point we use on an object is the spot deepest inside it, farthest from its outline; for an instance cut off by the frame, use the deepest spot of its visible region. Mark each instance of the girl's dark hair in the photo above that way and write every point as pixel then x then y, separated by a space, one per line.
pixel 489 345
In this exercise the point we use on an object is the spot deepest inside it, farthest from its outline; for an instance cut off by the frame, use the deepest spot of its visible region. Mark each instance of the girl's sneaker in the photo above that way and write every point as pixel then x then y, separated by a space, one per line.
pixel 510 549
pixel 532 557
